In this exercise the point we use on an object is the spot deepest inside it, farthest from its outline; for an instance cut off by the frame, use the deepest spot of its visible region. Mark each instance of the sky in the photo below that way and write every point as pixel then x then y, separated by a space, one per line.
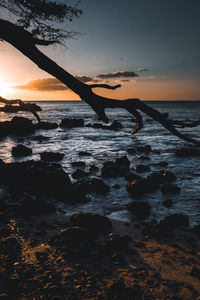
pixel 151 48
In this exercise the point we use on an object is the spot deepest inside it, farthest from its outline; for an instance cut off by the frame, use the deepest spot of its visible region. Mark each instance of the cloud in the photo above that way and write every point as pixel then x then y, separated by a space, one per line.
pixel 142 70
pixel 124 80
pixel 49 84
pixel 118 74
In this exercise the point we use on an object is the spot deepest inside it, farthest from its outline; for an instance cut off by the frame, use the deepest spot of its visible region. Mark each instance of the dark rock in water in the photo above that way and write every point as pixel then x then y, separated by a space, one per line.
pixel 93 168
pixel 196 230
pixel 79 174
pixel 114 126
pixel 37 177
pixel 142 157
pixel 94 223
pixel 146 149
pixel 70 123
pixel 170 189
pixel 132 176
pixel 99 186
pixel 17 126
pixel 108 169
pixel 172 222
pixel 141 186
pixel 116 186
pixel 46 125
pixel 51 156
pixel 75 196
pixel 131 150
pixel 41 138
pixel 118 168
pixel 142 168
pixel 168 176
pixel 78 164
pixel 82 186
pixel 185 152
pixel 84 153
pixel 139 209
pixel 167 203
pixel 163 163
pixel 122 162
pixel 21 150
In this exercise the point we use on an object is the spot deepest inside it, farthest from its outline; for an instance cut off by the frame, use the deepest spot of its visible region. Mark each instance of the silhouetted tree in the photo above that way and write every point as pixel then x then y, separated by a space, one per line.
pixel 38 22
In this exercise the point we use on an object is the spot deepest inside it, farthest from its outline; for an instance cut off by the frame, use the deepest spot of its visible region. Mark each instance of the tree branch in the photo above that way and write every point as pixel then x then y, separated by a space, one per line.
pixel 105 86
pixel 17 37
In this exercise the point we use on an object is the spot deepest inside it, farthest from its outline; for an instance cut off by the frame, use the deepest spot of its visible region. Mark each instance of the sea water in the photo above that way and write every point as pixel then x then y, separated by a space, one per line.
pixel 106 145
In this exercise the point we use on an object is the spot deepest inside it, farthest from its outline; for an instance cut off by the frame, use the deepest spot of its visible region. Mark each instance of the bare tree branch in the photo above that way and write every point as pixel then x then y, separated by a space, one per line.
pixel 17 37
pixel 105 86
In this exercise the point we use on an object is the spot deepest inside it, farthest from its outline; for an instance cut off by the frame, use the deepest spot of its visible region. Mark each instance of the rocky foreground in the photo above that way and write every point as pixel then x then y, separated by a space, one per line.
pixel 88 256
pixel 44 255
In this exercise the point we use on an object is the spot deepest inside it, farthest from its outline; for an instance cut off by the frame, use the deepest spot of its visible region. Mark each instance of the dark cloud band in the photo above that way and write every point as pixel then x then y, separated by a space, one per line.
pixel 117 74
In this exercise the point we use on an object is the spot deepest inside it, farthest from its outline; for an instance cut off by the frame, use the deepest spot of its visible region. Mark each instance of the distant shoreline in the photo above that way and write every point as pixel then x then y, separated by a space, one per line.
pixel 157 101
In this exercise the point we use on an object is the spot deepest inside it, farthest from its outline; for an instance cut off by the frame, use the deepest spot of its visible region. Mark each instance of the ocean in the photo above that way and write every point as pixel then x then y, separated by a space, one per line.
pixel 106 145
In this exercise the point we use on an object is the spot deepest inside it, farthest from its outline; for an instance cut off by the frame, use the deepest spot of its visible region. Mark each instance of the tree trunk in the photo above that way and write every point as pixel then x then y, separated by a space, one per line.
pixel 26 44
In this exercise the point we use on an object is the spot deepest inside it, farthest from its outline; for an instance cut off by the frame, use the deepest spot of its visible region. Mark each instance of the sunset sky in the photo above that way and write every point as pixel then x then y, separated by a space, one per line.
pixel 151 47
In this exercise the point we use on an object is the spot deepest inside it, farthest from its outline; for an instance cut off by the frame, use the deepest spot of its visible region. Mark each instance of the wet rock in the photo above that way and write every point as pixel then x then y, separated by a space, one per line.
pixel 75 195
pixel 114 126
pixel 167 203
pixel 185 152
pixel 132 176
pixel 168 176
pixel 94 223
pixel 196 230
pixel 41 138
pixel 84 153
pixel 51 156
pixel 21 150
pixel 116 186
pixel 70 123
pixel 93 168
pixel 108 169
pixel 99 186
pixel 37 177
pixel 46 125
pixel 170 189
pixel 146 149
pixel 120 167
pixel 79 173
pixel 163 163
pixel 142 168
pixel 142 157
pixel 131 150
pixel 139 187
pixel 172 222
pixel 17 126
pixel 139 209
pixel 82 186
pixel 78 164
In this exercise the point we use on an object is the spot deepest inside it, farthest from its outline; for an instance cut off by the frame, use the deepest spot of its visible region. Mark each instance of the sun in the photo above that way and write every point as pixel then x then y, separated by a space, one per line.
pixel 5 88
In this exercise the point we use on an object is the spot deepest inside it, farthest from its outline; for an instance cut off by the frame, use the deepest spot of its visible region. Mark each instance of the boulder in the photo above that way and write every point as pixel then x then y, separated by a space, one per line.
pixel 21 150
pixel 78 164
pixel 142 168
pixel 120 167
pixel 70 123
pixel 99 186
pixel 108 169
pixel 167 203
pixel 139 209
pixel 94 223
pixel 116 242
pixel 17 126
pixel 172 222
pixel 170 189
pixel 37 177
pixel 139 187
pixel 79 173
pixel 46 125
pixel 51 156
pixel 146 149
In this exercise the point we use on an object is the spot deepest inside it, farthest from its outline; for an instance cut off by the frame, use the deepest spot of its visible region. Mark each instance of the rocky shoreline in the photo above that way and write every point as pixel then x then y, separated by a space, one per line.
pixel 45 255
